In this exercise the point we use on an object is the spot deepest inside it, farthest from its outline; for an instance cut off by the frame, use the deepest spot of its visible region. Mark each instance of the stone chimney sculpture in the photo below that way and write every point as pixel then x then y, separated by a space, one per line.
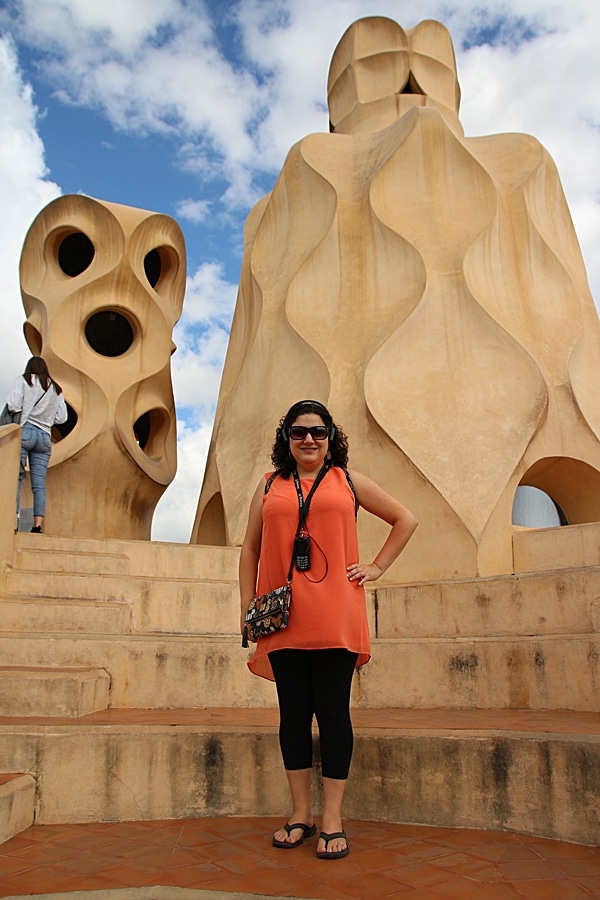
pixel 103 287
pixel 430 290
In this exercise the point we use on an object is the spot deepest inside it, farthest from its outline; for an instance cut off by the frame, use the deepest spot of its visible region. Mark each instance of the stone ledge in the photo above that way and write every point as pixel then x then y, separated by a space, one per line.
pixel 536 672
pixel 529 603
pixel 536 782
pixel 76 562
pixel 53 616
pixel 17 804
pixel 53 691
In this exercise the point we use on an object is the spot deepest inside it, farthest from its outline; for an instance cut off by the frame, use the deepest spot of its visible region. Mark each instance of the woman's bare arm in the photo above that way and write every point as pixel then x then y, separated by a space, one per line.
pixel 381 504
pixel 250 552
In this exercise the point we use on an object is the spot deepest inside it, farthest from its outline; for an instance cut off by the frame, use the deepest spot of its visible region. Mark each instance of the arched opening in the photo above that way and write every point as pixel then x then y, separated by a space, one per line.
pixel 150 431
pixel 572 485
pixel 212 524
pixel 533 508
pixel 59 432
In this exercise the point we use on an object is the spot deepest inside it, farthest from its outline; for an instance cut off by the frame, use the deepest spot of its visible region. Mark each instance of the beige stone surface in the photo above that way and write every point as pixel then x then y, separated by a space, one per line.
pixel 555 549
pixel 52 691
pixel 17 804
pixel 104 326
pixel 429 289
pixel 50 616
pixel 177 671
pixel 528 640
pixel 536 672
pixel 527 604
pixel 10 454
pixel 517 780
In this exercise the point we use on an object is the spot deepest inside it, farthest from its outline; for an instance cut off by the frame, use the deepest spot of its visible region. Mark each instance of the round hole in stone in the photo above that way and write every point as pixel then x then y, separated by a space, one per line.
pixel 75 253
pixel 109 333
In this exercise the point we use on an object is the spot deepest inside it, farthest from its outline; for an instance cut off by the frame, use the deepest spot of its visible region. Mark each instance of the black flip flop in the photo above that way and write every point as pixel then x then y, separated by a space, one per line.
pixel 323 854
pixel 307 831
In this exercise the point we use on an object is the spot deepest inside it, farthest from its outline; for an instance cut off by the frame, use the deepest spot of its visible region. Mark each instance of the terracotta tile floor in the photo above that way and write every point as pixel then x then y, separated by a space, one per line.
pixel 235 855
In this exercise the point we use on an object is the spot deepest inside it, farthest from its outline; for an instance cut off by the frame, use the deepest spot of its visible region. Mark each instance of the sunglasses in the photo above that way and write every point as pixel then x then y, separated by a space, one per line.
pixel 299 432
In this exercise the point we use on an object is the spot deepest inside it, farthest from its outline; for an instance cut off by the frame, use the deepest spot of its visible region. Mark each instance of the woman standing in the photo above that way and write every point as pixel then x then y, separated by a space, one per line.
pixel 40 401
pixel 312 661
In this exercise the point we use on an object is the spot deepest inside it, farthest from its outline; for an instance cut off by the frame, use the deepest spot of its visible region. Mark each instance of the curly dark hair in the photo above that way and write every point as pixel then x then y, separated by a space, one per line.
pixel 281 457
pixel 37 366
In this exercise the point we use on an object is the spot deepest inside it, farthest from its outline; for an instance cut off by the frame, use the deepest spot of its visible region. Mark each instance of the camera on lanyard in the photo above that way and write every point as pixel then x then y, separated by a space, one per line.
pixel 302 552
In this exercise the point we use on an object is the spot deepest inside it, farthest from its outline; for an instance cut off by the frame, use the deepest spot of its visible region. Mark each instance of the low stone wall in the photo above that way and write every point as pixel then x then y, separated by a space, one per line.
pixel 536 783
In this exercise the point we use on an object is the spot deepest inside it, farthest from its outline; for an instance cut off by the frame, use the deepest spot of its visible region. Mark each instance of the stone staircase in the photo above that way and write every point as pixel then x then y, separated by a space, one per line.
pixel 93 634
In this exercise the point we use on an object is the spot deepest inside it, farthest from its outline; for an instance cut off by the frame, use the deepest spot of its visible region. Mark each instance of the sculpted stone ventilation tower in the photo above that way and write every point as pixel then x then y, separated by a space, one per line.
pixel 103 287
pixel 429 288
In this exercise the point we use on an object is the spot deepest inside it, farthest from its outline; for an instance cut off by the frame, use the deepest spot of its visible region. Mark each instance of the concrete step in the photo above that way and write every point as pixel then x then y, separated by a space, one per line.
pixel 17 804
pixel 161 559
pixel 64 616
pixel 183 591
pixel 76 562
pixel 158 605
pixel 52 691
pixel 540 603
pixel 533 603
pixel 151 671
pixel 535 773
pixel 541 672
pixel 537 672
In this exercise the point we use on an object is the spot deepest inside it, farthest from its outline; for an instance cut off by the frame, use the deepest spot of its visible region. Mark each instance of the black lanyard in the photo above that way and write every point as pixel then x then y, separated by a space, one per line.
pixel 304 505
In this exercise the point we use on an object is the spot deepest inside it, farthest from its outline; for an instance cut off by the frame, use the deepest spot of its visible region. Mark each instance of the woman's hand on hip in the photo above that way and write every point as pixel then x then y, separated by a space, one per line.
pixel 362 573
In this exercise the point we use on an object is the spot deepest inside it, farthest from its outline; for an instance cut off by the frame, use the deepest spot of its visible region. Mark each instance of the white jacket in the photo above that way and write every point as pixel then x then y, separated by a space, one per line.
pixel 38 407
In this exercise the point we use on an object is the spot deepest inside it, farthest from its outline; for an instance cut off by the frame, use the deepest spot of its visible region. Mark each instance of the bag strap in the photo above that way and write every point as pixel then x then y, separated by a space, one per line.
pixel 304 505
pixel 353 489
pixel 270 481
pixel 268 484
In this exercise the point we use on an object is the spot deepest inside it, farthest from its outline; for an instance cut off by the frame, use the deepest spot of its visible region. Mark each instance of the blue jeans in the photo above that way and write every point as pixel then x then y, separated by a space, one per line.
pixel 36 445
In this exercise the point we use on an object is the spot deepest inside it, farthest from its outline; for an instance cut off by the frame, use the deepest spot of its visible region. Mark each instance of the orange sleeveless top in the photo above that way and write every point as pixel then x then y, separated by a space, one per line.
pixel 324 613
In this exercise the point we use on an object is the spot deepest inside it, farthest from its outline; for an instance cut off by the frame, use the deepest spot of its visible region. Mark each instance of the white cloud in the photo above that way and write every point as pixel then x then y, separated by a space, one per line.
pixel 24 190
pixel 83 27
pixel 209 297
pixel 201 337
pixel 176 509
pixel 158 72
pixel 195 211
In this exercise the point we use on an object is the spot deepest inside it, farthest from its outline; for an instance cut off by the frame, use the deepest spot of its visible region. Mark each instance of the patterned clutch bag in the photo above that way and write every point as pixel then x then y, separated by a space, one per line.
pixel 267 613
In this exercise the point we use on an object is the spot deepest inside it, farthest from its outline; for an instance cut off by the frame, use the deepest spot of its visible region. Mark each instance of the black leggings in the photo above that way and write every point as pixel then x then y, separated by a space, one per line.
pixel 315 682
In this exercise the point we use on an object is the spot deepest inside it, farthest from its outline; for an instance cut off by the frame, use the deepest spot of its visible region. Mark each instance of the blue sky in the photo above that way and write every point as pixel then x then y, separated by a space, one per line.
pixel 189 108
